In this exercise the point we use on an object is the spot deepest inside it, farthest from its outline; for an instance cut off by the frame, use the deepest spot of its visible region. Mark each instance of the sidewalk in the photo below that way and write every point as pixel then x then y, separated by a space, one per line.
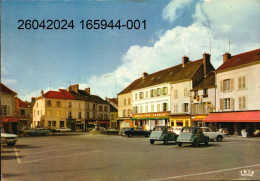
pixel 243 138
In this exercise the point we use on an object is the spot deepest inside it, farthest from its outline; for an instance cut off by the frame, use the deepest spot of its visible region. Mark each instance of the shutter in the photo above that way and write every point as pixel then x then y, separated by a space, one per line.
pixel 221 86
pixel 8 110
pixel 244 102
pixel 192 109
pixel 240 102
pixel 232 103
pixel 177 93
pixel 182 107
pixel 244 82
pixel 166 106
pixel 221 104
pixel 239 83
pixel 166 90
pixel 232 84
pixel 155 92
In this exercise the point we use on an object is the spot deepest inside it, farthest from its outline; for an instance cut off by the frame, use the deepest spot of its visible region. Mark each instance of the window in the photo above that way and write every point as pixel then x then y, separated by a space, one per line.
pixel 185 92
pixel 195 94
pixel 241 82
pixel 176 94
pixel 135 109
pixel 79 105
pixel 152 108
pixel 105 117
pixel 227 85
pixel 124 102
pixel 205 92
pixel 141 95
pixel 196 108
pixel 58 113
pixel 106 109
pixel 100 108
pixel 94 106
pixel 185 107
pixel 146 94
pixel 58 103
pixel 70 114
pixel 100 116
pixel 3 110
pixel 151 93
pixel 112 116
pixel 158 107
pixel 146 108
pixel 129 112
pixel 165 106
pixel 165 90
pixel 176 108
pixel 39 113
pixel 158 91
pixel 227 103
pixel 54 123
pixel 242 102
pixel 87 105
pixel 124 114
pixel 79 114
pixel 49 124
pixel 49 103
pixel 69 105
pixel 129 101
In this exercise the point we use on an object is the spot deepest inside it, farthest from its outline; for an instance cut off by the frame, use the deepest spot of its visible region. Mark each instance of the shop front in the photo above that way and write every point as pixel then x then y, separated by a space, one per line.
pixel 235 122
pixel 9 124
pixel 180 120
pixel 79 125
pixel 149 120
pixel 71 123
pixel 124 122
pixel 197 120
pixel 89 124
pixel 103 123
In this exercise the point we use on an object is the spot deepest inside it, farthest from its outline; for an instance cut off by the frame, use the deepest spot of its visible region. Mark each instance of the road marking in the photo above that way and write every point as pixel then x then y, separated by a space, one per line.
pixel 60 156
pixel 206 148
pixel 17 156
pixel 205 173
pixel 52 151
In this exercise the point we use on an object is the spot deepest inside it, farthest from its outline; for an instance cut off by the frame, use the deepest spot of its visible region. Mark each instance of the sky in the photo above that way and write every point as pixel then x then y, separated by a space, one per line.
pixel 109 60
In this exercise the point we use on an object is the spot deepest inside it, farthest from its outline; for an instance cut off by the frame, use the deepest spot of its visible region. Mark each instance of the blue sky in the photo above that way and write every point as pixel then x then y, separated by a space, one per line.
pixel 108 60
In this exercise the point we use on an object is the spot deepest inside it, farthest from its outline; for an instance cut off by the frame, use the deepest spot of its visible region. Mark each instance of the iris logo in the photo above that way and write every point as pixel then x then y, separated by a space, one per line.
pixel 247 173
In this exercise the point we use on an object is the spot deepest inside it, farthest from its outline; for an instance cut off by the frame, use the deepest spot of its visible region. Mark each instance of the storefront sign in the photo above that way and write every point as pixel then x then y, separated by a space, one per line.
pixel 151 115
pixel 8 119
pixel 198 117
pixel 70 121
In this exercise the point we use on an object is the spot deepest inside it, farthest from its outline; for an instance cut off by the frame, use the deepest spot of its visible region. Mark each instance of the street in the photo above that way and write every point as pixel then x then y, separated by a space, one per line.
pixel 105 157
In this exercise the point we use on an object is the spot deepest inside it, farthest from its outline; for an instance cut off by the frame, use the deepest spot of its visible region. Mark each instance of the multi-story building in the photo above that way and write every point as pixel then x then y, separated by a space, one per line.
pixel 8 109
pixel 24 113
pixel 203 98
pixel 238 92
pixel 113 112
pixel 163 97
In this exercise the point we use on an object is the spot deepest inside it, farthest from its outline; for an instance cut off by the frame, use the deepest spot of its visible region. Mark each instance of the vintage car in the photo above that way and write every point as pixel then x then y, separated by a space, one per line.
pixel 137 131
pixel 162 133
pixel 177 130
pixel 218 136
pixel 9 139
pixel 123 130
pixel 38 131
pixel 192 135
pixel 63 129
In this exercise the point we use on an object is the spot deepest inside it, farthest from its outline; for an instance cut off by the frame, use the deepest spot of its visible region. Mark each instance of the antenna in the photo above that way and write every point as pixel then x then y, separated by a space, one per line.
pixel 210 47
pixel 229 42
pixel 68 81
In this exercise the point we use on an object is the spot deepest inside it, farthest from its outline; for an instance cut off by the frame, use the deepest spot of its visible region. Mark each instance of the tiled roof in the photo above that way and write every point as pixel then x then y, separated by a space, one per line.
pixel 100 100
pixel 20 103
pixel 112 108
pixel 175 73
pixel 207 82
pixel 6 89
pixel 241 59
pixel 113 100
pixel 61 94
pixel 84 95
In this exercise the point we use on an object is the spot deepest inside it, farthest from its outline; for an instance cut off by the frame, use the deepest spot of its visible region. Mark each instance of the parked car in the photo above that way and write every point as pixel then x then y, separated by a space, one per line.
pixel 223 130
pixel 192 135
pixel 38 131
pixel 137 131
pixel 9 139
pixel 218 136
pixel 162 133
pixel 63 129
pixel 177 130
pixel 122 130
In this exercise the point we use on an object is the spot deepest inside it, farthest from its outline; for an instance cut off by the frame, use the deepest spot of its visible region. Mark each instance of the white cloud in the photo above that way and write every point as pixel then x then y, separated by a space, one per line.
pixel 170 11
pixel 8 81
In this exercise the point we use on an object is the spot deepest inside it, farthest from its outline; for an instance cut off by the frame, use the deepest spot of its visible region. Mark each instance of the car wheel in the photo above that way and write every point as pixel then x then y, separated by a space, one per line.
pixel 219 138
pixel 165 142
pixel 206 143
pixel 179 144
pixel 151 142
pixel 10 144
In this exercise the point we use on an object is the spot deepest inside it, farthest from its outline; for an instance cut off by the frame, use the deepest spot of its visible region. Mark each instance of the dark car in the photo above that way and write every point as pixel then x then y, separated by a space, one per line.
pixel 123 130
pixel 192 135
pixel 163 133
pixel 137 131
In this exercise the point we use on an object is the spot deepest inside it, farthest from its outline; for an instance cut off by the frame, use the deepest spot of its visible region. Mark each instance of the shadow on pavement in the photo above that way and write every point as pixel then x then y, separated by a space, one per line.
pixel 9 157
pixel 25 146
pixel 10 175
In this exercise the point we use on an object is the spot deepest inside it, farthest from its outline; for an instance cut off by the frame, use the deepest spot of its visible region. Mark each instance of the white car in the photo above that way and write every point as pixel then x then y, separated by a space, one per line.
pixel 218 136
pixel 9 139
pixel 64 129
pixel 177 130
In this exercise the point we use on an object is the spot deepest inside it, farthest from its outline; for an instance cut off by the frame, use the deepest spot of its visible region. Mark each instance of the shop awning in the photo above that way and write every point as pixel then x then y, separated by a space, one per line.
pixel 249 116
pixel 6 119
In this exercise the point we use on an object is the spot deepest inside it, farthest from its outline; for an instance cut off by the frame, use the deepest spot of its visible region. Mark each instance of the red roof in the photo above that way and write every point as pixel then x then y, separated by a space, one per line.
pixel 248 116
pixel 6 89
pixel 61 94
pixel 21 103
pixel 241 59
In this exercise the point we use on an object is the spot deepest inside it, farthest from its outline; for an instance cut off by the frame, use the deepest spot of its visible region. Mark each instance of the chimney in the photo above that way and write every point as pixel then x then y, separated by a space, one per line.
pixel 206 63
pixel 42 92
pixel 32 100
pixel 226 57
pixel 145 74
pixel 184 60
pixel 74 87
pixel 87 90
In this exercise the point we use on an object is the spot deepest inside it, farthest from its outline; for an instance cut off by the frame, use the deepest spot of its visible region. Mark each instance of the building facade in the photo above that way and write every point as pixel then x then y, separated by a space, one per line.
pixel 113 112
pixel 24 113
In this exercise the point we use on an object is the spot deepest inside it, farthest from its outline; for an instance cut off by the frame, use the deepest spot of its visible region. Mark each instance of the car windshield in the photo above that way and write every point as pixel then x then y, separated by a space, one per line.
pixel 206 130
pixel 187 130
pixel 157 129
